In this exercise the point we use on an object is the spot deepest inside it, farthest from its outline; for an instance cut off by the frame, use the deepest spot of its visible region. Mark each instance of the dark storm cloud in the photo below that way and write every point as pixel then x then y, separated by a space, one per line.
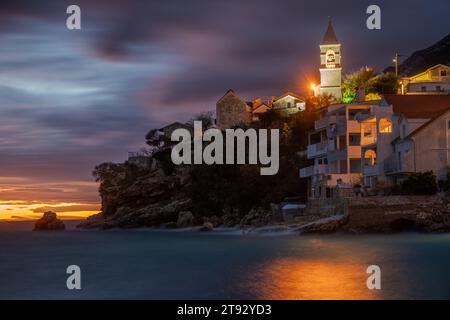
pixel 72 99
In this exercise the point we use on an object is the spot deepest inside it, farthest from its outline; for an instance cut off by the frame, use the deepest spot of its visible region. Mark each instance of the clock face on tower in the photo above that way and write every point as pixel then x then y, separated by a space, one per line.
pixel 330 59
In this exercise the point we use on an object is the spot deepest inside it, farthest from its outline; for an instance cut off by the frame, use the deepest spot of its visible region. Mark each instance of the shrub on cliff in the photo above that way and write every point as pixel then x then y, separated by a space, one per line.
pixel 420 183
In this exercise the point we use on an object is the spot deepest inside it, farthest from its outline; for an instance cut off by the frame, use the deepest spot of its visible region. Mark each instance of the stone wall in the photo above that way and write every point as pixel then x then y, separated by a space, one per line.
pixel 421 213
pixel 232 111
pixel 382 215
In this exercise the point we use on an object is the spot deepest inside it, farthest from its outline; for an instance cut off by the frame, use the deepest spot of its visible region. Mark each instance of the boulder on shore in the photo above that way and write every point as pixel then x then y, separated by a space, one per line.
pixel 49 221
pixel 207 226
pixel 185 219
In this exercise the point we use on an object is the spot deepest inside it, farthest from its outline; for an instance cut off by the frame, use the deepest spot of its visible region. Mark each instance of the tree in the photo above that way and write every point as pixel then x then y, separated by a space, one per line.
pixel 105 171
pixel 374 84
pixel 353 81
pixel 270 118
pixel 155 139
pixel 383 83
pixel 206 117
pixel 420 183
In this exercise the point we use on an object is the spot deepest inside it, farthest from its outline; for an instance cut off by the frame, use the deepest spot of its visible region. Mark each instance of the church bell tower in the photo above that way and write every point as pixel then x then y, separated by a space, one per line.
pixel 330 64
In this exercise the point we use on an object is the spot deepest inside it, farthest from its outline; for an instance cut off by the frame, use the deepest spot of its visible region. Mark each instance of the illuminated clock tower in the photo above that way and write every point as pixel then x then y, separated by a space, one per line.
pixel 330 64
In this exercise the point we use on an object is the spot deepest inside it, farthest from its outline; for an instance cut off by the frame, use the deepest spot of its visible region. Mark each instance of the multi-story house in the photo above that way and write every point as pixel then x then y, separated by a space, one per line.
pixel 421 142
pixel 378 142
pixel 335 149
pixel 435 80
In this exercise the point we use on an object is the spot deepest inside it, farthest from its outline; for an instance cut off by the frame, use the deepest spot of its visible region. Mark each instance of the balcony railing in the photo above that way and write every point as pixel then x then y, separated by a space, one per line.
pixel 368 140
pixel 370 170
pixel 313 170
pixel 321 123
pixel 392 165
pixel 318 149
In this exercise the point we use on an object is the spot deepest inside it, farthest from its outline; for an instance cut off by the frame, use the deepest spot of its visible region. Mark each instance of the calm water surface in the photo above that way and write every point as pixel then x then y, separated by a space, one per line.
pixel 146 264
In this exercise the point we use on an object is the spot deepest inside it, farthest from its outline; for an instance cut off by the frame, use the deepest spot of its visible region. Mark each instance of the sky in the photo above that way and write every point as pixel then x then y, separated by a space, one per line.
pixel 71 99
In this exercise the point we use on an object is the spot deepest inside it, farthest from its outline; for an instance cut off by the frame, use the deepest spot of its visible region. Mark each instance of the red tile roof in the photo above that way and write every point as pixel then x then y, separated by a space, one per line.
pixel 418 106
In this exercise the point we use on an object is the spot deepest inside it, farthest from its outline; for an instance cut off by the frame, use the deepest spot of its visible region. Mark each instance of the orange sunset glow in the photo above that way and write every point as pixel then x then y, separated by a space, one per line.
pixel 21 210
pixel 24 199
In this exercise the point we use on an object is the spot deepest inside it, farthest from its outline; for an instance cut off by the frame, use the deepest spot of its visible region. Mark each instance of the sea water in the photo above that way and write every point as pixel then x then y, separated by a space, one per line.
pixel 153 264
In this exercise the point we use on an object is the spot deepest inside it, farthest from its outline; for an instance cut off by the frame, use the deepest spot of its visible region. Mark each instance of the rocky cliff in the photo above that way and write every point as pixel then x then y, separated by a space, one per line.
pixel 152 194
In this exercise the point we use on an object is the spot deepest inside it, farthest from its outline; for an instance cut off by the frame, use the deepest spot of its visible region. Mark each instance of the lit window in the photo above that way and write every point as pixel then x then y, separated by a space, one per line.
pixel 370 158
pixel 385 125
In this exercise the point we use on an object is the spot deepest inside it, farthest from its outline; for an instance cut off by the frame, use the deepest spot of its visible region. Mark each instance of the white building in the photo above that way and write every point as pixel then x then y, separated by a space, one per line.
pixel 378 142
pixel 330 65
pixel 335 148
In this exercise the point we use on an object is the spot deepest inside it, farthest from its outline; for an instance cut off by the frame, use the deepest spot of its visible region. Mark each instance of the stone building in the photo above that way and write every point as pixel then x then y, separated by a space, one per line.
pixel 232 111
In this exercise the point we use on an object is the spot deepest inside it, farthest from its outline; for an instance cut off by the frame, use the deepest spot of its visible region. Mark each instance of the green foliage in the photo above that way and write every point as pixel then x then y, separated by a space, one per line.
pixel 383 83
pixel 241 187
pixel 164 156
pixel 349 96
pixel 270 118
pixel 420 183
pixel 360 78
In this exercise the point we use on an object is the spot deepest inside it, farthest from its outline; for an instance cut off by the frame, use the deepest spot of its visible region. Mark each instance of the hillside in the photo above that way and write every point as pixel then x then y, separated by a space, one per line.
pixel 426 58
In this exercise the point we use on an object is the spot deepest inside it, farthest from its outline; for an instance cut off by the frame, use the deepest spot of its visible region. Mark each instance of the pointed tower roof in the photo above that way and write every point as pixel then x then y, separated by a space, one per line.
pixel 330 35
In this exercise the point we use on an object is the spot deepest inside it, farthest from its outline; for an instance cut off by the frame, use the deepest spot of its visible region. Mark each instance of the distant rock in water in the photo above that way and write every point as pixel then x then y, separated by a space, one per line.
pixel 49 221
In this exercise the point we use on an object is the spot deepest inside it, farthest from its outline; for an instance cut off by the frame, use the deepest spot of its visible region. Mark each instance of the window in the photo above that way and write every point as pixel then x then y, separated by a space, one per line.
pixel 354 139
pixel 330 59
pixel 370 158
pixel 385 125
pixel 424 89
pixel 355 165
pixel 443 73
pixel 367 130
pixel 438 88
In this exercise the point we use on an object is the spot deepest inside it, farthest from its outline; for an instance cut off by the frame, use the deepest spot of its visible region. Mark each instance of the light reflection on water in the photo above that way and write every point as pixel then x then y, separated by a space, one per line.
pixel 334 271
pixel 313 279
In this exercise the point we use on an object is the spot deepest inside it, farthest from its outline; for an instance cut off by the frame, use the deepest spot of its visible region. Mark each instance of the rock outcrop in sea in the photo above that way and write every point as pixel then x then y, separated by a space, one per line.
pixel 151 195
pixel 49 221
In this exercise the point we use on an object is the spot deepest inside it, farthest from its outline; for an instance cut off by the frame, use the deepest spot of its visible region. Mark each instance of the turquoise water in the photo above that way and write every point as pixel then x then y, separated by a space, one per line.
pixel 146 264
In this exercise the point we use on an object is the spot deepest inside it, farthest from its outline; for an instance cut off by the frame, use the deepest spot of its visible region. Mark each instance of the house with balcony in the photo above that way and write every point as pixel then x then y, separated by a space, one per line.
pixel 378 142
pixel 335 149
